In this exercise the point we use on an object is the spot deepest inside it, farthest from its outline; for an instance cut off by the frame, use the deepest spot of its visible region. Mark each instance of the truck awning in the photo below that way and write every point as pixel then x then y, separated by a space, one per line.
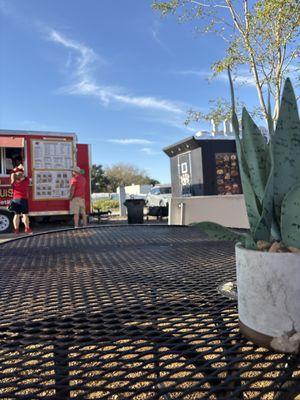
pixel 11 141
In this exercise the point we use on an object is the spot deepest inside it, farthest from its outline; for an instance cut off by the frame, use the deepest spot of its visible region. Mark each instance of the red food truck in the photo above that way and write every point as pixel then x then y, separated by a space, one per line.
pixel 48 159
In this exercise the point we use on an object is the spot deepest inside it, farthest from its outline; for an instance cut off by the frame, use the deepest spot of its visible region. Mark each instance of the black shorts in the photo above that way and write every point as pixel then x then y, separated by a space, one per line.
pixel 19 206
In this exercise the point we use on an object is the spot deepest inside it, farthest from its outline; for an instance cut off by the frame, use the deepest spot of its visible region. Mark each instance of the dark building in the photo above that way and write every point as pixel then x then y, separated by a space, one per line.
pixel 204 166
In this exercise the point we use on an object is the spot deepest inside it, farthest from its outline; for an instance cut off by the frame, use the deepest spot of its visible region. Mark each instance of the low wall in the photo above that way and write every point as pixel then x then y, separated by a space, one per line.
pixel 228 210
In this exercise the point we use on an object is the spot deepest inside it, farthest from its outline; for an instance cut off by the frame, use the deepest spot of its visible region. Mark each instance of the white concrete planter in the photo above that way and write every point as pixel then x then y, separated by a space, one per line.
pixel 268 287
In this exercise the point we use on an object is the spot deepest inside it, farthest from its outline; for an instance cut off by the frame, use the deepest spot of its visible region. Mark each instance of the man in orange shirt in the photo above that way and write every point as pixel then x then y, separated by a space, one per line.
pixel 77 196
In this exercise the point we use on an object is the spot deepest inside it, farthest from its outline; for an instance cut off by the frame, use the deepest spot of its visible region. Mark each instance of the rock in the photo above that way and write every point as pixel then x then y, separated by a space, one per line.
pixel 294 249
pixel 276 247
pixel 287 343
pixel 263 245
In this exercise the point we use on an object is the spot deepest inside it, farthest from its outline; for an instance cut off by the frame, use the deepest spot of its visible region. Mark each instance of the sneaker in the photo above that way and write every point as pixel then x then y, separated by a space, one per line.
pixel 17 232
pixel 29 231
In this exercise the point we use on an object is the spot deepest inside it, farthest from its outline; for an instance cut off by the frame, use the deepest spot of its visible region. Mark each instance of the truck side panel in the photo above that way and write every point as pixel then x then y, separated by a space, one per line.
pixel 83 162
pixel 50 206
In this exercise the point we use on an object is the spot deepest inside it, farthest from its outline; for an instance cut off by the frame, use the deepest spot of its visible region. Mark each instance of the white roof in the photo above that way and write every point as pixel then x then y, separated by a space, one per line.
pixel 36 133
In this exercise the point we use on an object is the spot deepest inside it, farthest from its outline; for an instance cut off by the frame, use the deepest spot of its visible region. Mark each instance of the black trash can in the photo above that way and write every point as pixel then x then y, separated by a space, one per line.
pixel 135 210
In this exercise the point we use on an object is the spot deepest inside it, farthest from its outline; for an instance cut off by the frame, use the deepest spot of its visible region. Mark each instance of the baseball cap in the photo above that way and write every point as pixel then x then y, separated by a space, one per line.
pixel 77 169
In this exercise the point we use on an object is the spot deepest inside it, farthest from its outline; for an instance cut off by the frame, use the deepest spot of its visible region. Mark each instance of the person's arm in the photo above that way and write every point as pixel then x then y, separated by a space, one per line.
pixel 72 190
pixel 12 178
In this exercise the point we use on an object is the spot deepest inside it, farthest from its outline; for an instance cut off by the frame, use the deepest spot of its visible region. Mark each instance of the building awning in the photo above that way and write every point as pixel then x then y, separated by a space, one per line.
pixel 11 141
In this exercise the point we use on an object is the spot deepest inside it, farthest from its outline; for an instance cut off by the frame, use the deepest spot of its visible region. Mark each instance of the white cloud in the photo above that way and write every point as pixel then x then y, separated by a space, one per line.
pixel 177 123
pixel 242 77
pixel 6 8
pixel 85 84
pixel 35 126
pixel 194 72
pixel 130 141
pixel 150 152
pixel 86 55
pixel 148 102
pixel 155 34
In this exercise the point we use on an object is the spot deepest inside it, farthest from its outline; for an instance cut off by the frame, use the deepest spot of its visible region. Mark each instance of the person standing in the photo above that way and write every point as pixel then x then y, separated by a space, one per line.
pixel 77 196
pixel 19 203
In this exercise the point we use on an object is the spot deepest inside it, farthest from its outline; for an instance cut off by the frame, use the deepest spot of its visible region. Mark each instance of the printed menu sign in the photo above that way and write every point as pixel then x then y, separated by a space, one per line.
pixel 52 162
pixel 52 184
pixel 52 154
pixel 228 177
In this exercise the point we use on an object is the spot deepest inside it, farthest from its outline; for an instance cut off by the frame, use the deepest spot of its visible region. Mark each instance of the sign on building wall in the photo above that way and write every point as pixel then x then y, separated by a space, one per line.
pixel 228 178
pixel 185 173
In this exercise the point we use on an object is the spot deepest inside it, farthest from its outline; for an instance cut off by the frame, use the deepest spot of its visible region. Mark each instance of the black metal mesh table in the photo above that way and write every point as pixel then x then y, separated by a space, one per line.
pixel 129 312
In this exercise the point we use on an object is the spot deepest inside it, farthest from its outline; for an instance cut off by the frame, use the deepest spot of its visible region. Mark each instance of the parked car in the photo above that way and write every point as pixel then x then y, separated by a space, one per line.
pixel 159 196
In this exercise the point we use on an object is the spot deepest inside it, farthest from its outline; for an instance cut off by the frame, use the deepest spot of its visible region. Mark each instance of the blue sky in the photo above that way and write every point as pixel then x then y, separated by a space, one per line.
pixel 113 72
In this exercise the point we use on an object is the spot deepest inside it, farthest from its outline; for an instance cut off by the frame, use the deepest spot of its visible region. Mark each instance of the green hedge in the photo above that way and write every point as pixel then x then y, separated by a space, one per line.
pixel 106 204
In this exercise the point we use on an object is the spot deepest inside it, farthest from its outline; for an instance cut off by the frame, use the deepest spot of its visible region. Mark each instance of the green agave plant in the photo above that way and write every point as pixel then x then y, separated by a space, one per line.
pixel 270 175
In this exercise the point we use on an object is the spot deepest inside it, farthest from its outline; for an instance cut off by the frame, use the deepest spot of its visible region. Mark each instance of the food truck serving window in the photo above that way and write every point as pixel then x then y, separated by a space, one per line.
pixel 10 157
pixel 11 153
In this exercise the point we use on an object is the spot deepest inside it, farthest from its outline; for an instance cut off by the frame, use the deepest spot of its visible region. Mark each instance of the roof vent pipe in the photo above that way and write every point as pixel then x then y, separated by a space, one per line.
pixel 214 127
pixel 227 127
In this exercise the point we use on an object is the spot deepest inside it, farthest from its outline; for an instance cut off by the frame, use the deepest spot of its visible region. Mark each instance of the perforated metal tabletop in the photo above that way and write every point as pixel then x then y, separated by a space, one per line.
pixel 128 312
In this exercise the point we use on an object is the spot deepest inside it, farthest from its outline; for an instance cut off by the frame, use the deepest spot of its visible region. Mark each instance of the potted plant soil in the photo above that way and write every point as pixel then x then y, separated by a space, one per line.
pixel 268 258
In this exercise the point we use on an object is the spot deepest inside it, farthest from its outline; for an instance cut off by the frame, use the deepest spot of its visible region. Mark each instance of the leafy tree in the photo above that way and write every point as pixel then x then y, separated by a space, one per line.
pixel 261 35
pixel 220 110
pixel 110 178
pixel 99 180
pixel 152 182
pixel 125 174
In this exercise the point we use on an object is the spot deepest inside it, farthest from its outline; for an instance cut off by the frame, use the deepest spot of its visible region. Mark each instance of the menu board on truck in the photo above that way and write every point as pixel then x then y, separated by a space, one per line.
pixel 48 154
pixel 52 163
pixel 52 184
pixel 228 177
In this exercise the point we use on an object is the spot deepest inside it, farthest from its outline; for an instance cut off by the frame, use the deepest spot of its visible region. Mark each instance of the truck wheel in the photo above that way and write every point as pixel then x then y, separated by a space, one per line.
pixel 6 223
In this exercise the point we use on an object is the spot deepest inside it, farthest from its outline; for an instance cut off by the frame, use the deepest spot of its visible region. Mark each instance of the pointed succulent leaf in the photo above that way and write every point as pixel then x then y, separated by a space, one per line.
pixel 219 232
pixel 286 147
pixel 249 243
pixel 271 133
pixel 234 119
pixel 266 222
pixel 290 217
pixel 252 203
pixel 267 227
pixel 253 206
pixel 275 231
pixel 256 152
pixel 270 119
